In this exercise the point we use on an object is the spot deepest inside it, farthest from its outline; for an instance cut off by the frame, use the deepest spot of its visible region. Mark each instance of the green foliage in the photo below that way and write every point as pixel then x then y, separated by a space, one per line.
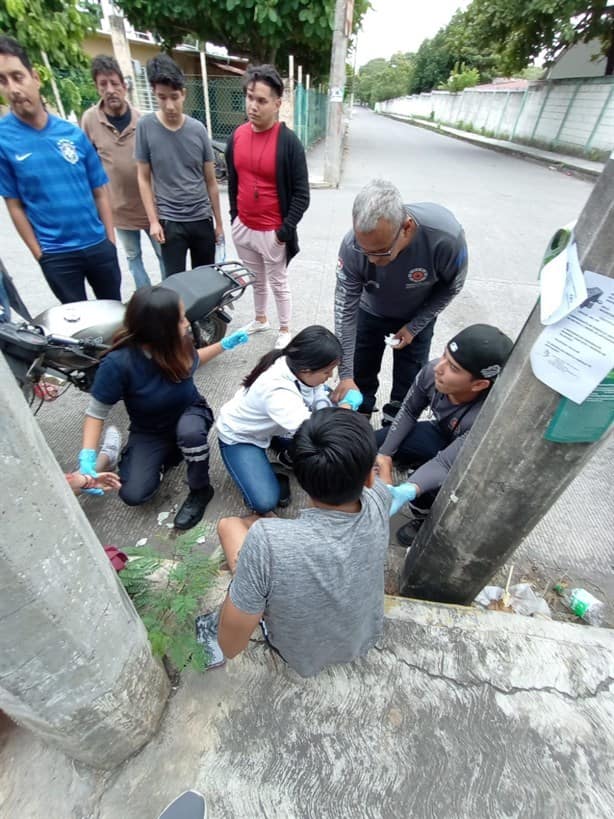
pixel 56 27
pixel 383 79
pixel 167 593
pixel 461 78
pixel 452 45
pixel 525 29
pixel 262 30
pixel 77 89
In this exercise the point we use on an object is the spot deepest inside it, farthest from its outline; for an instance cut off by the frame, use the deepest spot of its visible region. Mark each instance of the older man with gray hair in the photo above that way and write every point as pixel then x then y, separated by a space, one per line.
pixel 398 268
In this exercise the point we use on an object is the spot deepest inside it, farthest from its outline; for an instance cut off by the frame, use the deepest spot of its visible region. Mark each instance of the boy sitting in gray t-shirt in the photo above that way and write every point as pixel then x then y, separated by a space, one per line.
pixel 318 580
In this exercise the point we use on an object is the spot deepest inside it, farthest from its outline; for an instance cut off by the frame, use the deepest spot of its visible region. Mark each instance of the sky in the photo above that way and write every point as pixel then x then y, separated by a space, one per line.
pixel 401 25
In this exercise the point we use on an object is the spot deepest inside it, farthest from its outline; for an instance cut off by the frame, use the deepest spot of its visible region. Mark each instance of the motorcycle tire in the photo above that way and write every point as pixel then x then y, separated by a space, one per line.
pixel 209 330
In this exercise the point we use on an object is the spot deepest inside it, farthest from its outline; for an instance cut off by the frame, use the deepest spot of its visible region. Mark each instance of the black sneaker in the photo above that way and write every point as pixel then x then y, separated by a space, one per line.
pixel 406 534
pixel 284 489
pixel 284 459
pixel 193 508
pixel 389 412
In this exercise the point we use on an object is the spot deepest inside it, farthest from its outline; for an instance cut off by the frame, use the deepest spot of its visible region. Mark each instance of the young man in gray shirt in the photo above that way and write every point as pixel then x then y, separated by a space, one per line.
pixel 317 582
pixel 453 389
pixel 398 268
pixel 176 174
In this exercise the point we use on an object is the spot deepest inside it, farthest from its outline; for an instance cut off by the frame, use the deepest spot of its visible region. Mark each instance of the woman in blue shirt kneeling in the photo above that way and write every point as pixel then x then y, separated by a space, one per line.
pixel 151 367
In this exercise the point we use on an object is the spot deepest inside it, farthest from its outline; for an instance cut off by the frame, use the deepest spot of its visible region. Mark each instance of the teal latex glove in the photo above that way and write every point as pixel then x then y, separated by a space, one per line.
pixel 234 339
pixel 87 462
pixel 93 492
pixel 353 398
pixel 401 494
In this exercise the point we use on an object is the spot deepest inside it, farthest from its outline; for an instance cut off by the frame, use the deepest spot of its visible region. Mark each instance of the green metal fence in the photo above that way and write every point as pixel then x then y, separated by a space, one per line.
pixel 226 102
pixel 310 109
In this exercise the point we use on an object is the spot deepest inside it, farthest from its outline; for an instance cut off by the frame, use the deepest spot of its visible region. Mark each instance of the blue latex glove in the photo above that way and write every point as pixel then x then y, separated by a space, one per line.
pixel 93 492
pixel 401 494
pixel 234 339
pixel 87 462
pixel 353 398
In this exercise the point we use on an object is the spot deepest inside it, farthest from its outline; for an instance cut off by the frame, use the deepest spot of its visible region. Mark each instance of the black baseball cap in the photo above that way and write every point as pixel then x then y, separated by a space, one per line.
pixel 481 349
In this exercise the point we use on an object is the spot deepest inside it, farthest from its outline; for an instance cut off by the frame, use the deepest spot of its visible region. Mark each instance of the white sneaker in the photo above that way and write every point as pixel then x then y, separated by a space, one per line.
pixel 255 327
pixel 282 340
pixel 111 446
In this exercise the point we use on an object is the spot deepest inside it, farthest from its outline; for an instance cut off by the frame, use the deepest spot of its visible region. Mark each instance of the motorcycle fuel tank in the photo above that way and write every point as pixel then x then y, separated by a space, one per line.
pixel 83 319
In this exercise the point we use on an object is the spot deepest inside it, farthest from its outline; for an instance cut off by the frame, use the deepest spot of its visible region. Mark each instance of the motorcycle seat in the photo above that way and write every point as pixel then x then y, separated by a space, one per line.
pixel 201 289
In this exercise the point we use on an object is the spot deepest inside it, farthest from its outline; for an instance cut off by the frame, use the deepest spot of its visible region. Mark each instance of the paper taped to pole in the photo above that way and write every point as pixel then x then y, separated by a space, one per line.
pixel 574 355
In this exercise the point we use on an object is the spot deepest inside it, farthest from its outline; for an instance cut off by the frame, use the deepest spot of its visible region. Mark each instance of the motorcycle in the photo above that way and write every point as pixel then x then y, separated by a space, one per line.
pixel 63 345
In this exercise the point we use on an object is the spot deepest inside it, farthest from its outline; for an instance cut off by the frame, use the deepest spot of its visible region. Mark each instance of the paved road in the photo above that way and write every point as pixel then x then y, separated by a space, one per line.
pixel 510 207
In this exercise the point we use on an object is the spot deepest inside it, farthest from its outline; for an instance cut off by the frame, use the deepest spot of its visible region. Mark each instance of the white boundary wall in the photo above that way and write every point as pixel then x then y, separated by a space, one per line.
pixel 556 114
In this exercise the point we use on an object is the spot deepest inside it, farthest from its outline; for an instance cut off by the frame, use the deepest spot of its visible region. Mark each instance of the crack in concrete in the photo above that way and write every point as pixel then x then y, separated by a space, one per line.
pixel 604 685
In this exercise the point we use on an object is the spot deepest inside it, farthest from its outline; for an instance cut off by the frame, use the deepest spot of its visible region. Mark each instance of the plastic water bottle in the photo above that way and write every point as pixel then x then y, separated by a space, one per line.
pixel 220 251
pixel 582 604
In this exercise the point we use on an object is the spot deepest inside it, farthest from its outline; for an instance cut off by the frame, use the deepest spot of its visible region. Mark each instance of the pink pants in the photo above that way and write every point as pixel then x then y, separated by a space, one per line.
pixel 260 251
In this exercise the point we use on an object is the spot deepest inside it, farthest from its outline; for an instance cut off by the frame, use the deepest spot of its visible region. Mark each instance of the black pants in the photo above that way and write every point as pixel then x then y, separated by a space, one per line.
pixel 147 453
pixel 66 273
pixel 423 443
pixel 370 346
pixel 197 237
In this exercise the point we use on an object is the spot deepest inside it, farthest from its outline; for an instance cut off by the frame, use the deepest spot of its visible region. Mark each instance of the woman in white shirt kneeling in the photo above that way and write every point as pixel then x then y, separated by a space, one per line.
pixel 282 390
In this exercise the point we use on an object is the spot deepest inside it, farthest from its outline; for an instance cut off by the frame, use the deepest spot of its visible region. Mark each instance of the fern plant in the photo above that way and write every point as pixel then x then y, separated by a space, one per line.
pixel 167 593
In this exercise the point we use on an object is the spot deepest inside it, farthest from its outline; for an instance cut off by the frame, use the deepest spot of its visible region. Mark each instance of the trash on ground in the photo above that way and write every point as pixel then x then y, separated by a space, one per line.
pixel 522 600
pixel 582 603
pixel 162 517
pixel 201 539
pixel 141 542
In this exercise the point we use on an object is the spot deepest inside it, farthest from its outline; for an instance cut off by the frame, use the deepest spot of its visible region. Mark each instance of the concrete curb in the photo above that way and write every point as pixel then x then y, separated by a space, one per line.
pixel 561 161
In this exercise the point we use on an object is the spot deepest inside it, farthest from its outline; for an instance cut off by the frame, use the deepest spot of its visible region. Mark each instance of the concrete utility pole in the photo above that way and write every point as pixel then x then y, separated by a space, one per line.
pixel 205 81
pixel 121 52
pixel 344 10
pixel 507 476
pixel 75 663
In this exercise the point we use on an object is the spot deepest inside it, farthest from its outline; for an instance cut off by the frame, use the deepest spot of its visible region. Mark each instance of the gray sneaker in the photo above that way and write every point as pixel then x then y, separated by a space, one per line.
pixel 111 447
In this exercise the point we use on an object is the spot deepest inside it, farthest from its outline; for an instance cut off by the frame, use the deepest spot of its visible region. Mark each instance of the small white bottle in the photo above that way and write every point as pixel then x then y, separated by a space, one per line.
pixel 220 251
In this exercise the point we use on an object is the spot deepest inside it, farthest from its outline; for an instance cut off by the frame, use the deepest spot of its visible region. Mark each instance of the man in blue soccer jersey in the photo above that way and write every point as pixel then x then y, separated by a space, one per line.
pixel 55 187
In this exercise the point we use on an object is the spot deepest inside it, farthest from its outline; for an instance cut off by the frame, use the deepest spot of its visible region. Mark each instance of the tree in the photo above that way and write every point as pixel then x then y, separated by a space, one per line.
pixel 56 28
pixel 434 63
pixel 262 30
pixel 382 79
pixel 461 78
pixel 525 29
pixel 454 44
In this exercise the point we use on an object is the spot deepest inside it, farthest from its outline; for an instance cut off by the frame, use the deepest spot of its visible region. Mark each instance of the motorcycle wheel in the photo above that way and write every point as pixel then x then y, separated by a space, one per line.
pixel 209 330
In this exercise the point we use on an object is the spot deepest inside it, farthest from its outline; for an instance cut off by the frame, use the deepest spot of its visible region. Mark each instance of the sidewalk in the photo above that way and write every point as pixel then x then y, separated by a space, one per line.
pixel 550 158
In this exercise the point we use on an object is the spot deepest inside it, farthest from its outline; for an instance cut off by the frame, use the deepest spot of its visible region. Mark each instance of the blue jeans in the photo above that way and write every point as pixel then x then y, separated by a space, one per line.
pixel 252 472
pixel 131 242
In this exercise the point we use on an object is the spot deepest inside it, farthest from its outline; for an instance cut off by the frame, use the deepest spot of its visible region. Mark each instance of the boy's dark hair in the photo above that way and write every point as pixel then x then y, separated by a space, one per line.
pixel 267 74
pixel 11 48
pixel 103 64
pixel 162 70
pixel 333 453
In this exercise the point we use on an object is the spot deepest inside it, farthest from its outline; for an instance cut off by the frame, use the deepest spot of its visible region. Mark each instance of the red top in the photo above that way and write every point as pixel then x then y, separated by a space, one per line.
pixel 254 154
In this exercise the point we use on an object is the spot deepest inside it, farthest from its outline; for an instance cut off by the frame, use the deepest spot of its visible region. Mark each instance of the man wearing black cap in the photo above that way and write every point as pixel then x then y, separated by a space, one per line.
pixel 454 388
